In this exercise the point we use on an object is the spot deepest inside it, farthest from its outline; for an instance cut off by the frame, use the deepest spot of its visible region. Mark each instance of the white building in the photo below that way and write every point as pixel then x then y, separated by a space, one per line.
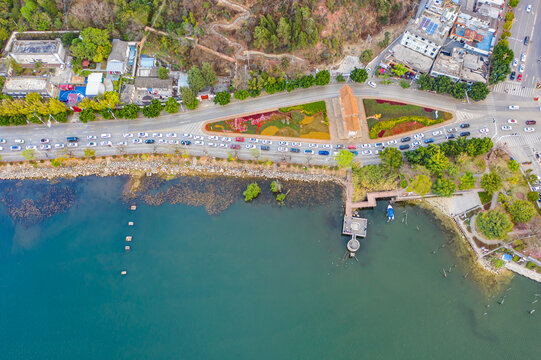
pixel 49 53
pixel 94 84
pixel 20 86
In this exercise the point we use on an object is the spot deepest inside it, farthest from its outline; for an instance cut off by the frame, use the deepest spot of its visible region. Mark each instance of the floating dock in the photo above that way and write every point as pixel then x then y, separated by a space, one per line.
pixel 354 226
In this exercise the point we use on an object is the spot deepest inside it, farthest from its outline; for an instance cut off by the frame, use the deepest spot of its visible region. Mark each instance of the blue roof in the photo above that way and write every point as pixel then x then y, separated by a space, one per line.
pixel 507 257
pixel 146 61
pixel 132 54
pixel 79 90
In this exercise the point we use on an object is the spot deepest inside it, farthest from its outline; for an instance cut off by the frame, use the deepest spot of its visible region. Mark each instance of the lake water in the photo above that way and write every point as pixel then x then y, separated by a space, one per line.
pixel 257 281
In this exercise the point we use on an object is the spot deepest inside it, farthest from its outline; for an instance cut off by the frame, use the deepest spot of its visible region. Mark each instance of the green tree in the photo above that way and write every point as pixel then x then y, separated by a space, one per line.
pixel 502 56
pixel 251 192
pixel 479 91
pixel 491 182
pixel 90 152
pixel 276 187
pixel 344 159
pixel 87 115
pixel 241 94
pixel 399 69
pixel 171 105
pixel 513 165
pixel 444 187
pixel 359 75
pixel 130 111
pixel 443 84
pixel 420 184
pixel 405 84
pixel 280 198
pixel 426 82
pixel 391 158
pixel 323 77
pixel 467 181
pixel 366 56
pixel 92 44
pixel 153 109
pixel 533 196
pixel 521 211
pixel 509 16
pixel 163 73
pixel 306 81
pixel 340 78
pixel 494 224
pixel 208 74
pixel 284 31
pixel 188 98
pixel 196 79
pixel 514 3
pixel 458 90
pixel 222 98
pixel 498 263
pixel 29 154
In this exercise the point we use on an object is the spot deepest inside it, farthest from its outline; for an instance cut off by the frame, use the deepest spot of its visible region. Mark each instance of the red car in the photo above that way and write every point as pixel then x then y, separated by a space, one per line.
pixel 530 122
pixel 519 77
pixel 239 139
pixel 235 146
pixel 351 147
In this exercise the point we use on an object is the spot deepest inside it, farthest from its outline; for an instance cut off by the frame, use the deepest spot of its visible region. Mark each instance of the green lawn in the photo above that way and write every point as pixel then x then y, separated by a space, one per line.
pixel 392 110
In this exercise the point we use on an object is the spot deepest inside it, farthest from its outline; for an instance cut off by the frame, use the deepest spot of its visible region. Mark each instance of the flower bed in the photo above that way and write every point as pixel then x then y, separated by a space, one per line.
pixel 304 121
pixel 388 118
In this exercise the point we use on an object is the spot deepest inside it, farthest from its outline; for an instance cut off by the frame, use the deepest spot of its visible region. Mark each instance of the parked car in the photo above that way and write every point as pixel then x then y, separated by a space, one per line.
pixel 19 141
pixel 405 139
pixel 352 147
pixel 187 135
pixel 92 144
pixel 530 122
pixel 450 136
pixel 429 141
pixel 523 57
pixel 282 143
pixel 15 148
pixel 371 84
pixel 483 130
pixel 529 129
pixel 391 142
pixel 506 127
pixel 511 121
pixel 526 40
pixel 199 143
pixel 45 147
pixel 515 62
pixel 354 152
pixel 464 126
pixel 248 146
pixel 404 147
pixel 367 152
pixel 171 135
pixel 465 133
pixel 2 141
pixel 235 146
pixel 529 9
pixel 137 141
pixel 226 139
pixel 128 135
pixel 44 141
pixel 185 142
pixel 379 144
pixel 512 76
pixel 519 77
pixel 521 68
pixel 72 144
pixel 323 152
pixel 282 149
pixel 295 150
pixel 514 107
pixel 150 141
pixel 265 147
pixel 308 151
pixel 437 133
pixel 105 136
pixel 338 146
pixel 365 146
pixel 312 145
pixel 58 146
pixel 72 139
pixel 239 139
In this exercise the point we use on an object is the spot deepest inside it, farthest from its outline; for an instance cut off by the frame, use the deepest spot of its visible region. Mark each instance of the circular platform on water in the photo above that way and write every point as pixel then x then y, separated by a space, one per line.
pixel 353 245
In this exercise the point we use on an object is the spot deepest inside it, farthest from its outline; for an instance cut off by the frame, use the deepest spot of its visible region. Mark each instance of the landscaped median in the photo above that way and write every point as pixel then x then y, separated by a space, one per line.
pixel 388 118
pixel 307 121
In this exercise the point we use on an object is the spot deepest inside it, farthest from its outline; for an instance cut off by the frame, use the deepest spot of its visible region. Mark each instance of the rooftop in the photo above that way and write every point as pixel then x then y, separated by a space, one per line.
pixel 152 83
pixel 354 226
pixel 448 65
pixel 25 83
pixel 412 58
pixel 35 46
pixel 350 109
pixel 119 51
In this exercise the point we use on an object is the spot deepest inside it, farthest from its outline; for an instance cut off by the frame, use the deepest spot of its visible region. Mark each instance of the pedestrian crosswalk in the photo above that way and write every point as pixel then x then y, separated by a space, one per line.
pixel 513 88
pixel 462 116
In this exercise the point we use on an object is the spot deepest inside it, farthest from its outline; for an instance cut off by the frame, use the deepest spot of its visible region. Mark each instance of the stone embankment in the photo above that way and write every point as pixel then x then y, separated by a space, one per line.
pixel 157 166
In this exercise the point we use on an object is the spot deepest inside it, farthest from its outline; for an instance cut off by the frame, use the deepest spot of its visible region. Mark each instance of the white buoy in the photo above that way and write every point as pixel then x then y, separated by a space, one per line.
pixel 123 272
pixel 130 223
pixel 127 247
pixel 133 207
pixel 128 238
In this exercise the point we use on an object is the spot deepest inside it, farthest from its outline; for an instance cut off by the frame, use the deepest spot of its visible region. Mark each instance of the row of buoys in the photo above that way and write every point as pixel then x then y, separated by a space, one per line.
pixel 128 239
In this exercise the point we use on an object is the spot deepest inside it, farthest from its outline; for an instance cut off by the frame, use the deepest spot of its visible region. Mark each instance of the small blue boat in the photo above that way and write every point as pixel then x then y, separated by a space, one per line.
pixel 390 213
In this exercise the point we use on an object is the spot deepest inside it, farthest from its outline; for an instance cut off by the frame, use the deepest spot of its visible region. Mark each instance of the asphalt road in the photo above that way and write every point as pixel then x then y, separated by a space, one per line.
pixel 491 113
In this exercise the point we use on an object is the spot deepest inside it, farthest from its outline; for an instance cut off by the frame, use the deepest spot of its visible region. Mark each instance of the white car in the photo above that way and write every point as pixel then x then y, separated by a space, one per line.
pixel 162 141
pixel 213 138
pixel 529 9
pixel 156 135
pixel 366 152
pixel 105 136
pixel 223 146
pixel 312 145
pixel 391 142
pixel 282 149
pixel 142 134
pixel 378 151
pixel 199 142
pixel 451 130
pixel 58 146
pixel 44 141
pixel 92 144
pixel 294 143
pixel 105 143
pixel 266 142
pixel 2 141
pixel 483 130
pixel 521 68
pixel 523 57
pixel 211 144
pixel 122 143
pixel 137 141
pixel 511 121
pixel 250 146
pixel 173 142
pixel 283 143
pixel 72 144
pixel 506 127
pixel 253 140
pixel 198 137
pixel 515 62
pixel 514 107
pixel 171 135
pixel 128 135
pixel 19 141
pixel 529 129
pixel 45 147
pixel 436 133
pixel 415 143
pixel 326 146
pixel 371 84
pixel 187 135
pixel 226 139
pixel 31 147
pixel 91 137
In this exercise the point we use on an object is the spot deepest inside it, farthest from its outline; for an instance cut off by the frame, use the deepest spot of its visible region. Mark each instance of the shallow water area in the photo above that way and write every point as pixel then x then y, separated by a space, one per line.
pixel 255 281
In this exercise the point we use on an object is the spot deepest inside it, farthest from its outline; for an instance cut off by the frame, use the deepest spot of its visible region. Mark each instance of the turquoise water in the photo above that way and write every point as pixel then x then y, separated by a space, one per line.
pixel 255 282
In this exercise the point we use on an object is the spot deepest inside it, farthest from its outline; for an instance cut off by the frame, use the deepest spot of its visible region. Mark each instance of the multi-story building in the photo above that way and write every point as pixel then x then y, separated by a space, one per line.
pixel 48 53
